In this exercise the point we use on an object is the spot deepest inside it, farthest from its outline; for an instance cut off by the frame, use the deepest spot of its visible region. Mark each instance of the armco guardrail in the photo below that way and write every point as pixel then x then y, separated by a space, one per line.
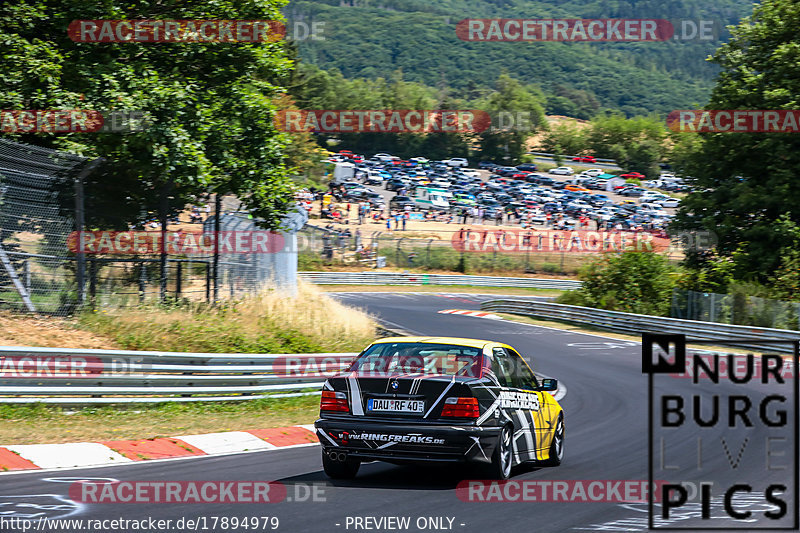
pixel 62 376
pixel 743 336
pixel 396 278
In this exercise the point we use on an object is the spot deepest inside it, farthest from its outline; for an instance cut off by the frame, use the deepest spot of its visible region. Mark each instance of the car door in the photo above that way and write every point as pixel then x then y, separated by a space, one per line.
pixel 536 407
pixel 524 435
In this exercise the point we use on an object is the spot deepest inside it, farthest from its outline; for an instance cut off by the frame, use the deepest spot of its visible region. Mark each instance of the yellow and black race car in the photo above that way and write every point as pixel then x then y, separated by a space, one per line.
pixel 418 399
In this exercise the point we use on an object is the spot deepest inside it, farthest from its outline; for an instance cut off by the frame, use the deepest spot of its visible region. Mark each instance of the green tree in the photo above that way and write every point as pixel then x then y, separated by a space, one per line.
pixel 637 144
pixel 210 105
pixel 745 182
pixel 564 138
pixel 633 282
pixel 786 281
pixel 516 112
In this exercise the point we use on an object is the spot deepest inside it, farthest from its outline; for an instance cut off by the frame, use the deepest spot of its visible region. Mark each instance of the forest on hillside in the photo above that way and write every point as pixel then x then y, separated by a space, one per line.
pixel 374 38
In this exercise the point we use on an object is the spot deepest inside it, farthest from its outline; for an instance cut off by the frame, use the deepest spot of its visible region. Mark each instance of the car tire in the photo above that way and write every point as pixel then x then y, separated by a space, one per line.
pixel 557 445
pixel 500 467
pixel 340 469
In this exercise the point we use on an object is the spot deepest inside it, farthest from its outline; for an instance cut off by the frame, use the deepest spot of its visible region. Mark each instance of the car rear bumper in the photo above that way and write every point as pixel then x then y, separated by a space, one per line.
pixel 386 441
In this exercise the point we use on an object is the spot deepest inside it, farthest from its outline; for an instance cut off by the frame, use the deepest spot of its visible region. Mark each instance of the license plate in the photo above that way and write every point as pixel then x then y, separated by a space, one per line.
pixel 395 406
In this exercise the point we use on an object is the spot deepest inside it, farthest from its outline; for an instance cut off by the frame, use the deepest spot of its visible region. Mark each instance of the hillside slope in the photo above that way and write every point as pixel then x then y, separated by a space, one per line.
pixel 372 38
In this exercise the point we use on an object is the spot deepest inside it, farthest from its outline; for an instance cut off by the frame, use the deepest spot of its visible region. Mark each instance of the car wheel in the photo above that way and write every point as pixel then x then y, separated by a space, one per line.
pixel 500 467
pixel 346 469
pixel 557 445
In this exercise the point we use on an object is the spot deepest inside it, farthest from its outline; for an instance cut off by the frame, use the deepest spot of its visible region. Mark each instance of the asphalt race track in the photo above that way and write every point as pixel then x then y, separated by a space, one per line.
pixel 606 439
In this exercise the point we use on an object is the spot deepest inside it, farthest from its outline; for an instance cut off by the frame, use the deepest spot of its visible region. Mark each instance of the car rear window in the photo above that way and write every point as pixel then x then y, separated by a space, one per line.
pixel 415 358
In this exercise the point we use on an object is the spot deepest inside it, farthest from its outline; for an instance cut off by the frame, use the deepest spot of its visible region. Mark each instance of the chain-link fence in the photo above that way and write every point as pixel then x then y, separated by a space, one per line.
pixel 349 245
pixel 35 183
pixel 51 264
pixel 735 308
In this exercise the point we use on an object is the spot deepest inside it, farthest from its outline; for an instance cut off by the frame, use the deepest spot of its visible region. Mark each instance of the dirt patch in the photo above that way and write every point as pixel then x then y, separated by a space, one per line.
pixel 49 333
pixel 534 141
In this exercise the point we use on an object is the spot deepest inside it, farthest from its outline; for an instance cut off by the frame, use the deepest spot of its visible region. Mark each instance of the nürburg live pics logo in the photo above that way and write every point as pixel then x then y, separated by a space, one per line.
pixel 724 443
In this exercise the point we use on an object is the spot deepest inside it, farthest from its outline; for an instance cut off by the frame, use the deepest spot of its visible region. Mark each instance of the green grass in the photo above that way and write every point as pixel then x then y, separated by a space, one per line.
pixel 519 291
pixel 444 259
pixel 39 423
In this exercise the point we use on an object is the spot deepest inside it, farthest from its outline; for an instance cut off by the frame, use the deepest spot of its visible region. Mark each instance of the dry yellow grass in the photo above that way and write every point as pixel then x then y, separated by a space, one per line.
pixel 311 312
pixel 271 321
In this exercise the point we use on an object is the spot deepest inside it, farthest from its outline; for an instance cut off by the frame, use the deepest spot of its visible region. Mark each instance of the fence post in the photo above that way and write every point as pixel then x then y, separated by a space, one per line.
pixel 178 276
pixel 142 280
pixel 80 266
pixel 462 261
pixel 208 280
pixel 26 275
pixel 217 209
pixel 163 209
pixel 712 313
pixel 397 253
pixel 93 282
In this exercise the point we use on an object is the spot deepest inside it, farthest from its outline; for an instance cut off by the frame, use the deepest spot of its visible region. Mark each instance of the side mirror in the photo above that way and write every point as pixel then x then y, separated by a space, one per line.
pixel 548 385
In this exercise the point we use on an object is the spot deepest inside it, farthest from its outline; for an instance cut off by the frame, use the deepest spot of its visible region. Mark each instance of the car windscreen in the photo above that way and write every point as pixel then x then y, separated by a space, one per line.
pixel 419 358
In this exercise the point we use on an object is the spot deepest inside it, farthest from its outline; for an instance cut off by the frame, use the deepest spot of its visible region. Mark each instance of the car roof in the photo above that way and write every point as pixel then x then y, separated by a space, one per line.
pixel 472 343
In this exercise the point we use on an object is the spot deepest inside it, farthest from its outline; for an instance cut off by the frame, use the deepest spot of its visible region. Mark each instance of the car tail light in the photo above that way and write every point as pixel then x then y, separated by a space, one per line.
pixel 334 401
pixel 461 407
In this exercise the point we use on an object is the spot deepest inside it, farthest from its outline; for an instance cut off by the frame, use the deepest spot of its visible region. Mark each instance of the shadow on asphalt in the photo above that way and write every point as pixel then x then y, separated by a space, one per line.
pixel 379 475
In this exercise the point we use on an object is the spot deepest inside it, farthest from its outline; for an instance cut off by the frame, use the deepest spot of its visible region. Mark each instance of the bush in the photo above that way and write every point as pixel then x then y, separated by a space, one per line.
pixel 550 268
pixel 571 298
pixel 632 282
